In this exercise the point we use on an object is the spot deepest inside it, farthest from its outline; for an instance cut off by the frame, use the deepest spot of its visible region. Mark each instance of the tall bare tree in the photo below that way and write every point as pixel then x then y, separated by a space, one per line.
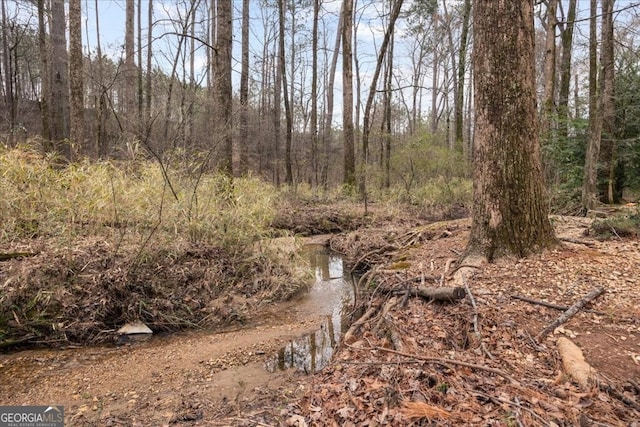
pixel 129 64
pixel 565 70
pixel 462 72
pixel 548 99
pixel 224 92
pixel 509 203
pixel 314 94
pixel 607 104
pixel 347 94
pixel 285 95
pixel 59 79
pixel 589 195
pixel 327 135
pixel 45 90
pixel 100 144
pixel 7 66
pixel 366 119
pixel 244 93
pixel 76 76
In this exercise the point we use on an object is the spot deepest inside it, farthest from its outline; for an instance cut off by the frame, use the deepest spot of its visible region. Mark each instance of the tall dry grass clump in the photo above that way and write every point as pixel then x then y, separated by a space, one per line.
pixel 39 198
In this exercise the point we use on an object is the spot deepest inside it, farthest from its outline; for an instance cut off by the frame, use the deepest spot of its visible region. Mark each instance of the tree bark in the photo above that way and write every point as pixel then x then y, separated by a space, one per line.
pixel 10 101
pixel 607 105
pixel 565 72
pixel 462 71
pixel 129 65
pixel 148 83
pixel 45 90
pixel 314 94
pixel 224 85
pixel 244 93
pixel 59 80
pixel 549 69
pixel 327 135
pixel 509 203
pixel 285 96
pixel 349 177
pixel 589 197
pixel 76 76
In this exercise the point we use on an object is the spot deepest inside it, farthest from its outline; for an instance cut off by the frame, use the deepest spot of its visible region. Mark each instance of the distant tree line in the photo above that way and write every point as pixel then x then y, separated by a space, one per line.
pixel 267 104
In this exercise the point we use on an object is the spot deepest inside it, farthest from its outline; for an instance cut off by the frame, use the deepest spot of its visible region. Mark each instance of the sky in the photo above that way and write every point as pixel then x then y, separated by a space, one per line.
pixel 111 15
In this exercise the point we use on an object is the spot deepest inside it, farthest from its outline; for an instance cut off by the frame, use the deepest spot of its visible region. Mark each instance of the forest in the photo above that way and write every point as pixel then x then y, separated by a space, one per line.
pixel 178 168
pixel 278 90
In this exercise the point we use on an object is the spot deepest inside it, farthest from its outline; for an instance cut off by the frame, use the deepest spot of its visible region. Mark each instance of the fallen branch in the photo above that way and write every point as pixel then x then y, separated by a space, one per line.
pixel 447 362
pixel 349 336
pixel 476 328
pixel 570 312
pixel 554 306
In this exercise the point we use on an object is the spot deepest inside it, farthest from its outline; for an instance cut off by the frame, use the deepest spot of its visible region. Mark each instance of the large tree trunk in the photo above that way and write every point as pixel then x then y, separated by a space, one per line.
pixel 147 109
pixel 45 90
pixel 10 101
pixel 100 146
pixel 349 177
pixel 76 76
pixel 285 95
pixel 595 119
pixel 548 108
pixel 328 124
pixel 59 80
pixel 223 84
pixel 509 205
pixel 607 103
pixel 244 93
pixel 129 66
pixel 462 72
pixel 565 72
pixel 314 95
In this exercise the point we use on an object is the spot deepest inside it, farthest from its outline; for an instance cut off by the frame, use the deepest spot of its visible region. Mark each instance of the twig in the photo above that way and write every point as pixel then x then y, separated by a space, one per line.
pixel 450 362
pixel 570 312
pixel 615 232
pixel 476 329
pixel 554 306
pixel 615 393
pixel 508 402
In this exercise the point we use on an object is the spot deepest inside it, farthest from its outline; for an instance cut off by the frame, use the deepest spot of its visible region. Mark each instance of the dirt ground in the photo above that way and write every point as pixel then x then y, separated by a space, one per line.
pixel 413 362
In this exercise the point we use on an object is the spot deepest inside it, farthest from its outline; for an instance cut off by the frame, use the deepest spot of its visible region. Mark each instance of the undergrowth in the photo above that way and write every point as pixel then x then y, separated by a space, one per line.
pixel 40 198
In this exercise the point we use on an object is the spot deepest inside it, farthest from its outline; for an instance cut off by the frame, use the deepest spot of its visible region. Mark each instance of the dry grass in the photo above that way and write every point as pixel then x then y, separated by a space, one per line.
pixel 41 199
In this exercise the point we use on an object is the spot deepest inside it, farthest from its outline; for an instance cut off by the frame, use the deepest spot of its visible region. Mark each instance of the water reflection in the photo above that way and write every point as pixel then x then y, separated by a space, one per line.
pixel 332 294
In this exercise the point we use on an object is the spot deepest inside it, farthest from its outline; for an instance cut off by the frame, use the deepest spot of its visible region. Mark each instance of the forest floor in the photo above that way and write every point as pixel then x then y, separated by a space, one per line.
pixel 412 362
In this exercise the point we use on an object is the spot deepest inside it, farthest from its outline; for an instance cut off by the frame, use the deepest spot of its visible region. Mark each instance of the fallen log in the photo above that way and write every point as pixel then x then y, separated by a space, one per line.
pixel 435 293
pixel 570 312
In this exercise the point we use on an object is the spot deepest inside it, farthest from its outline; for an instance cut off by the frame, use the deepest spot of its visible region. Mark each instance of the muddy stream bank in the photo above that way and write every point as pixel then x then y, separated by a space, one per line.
pixel 184 377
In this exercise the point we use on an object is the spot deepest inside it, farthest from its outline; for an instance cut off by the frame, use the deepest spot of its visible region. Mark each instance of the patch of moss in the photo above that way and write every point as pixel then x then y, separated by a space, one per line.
pixel 400 265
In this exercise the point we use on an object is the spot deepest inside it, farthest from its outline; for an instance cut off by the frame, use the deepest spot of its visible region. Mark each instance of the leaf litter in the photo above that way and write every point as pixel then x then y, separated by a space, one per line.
pixel 420 362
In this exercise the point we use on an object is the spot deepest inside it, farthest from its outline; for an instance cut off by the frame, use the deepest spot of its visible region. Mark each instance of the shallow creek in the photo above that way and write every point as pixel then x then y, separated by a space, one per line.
pixel 331 295
pixel 149 380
